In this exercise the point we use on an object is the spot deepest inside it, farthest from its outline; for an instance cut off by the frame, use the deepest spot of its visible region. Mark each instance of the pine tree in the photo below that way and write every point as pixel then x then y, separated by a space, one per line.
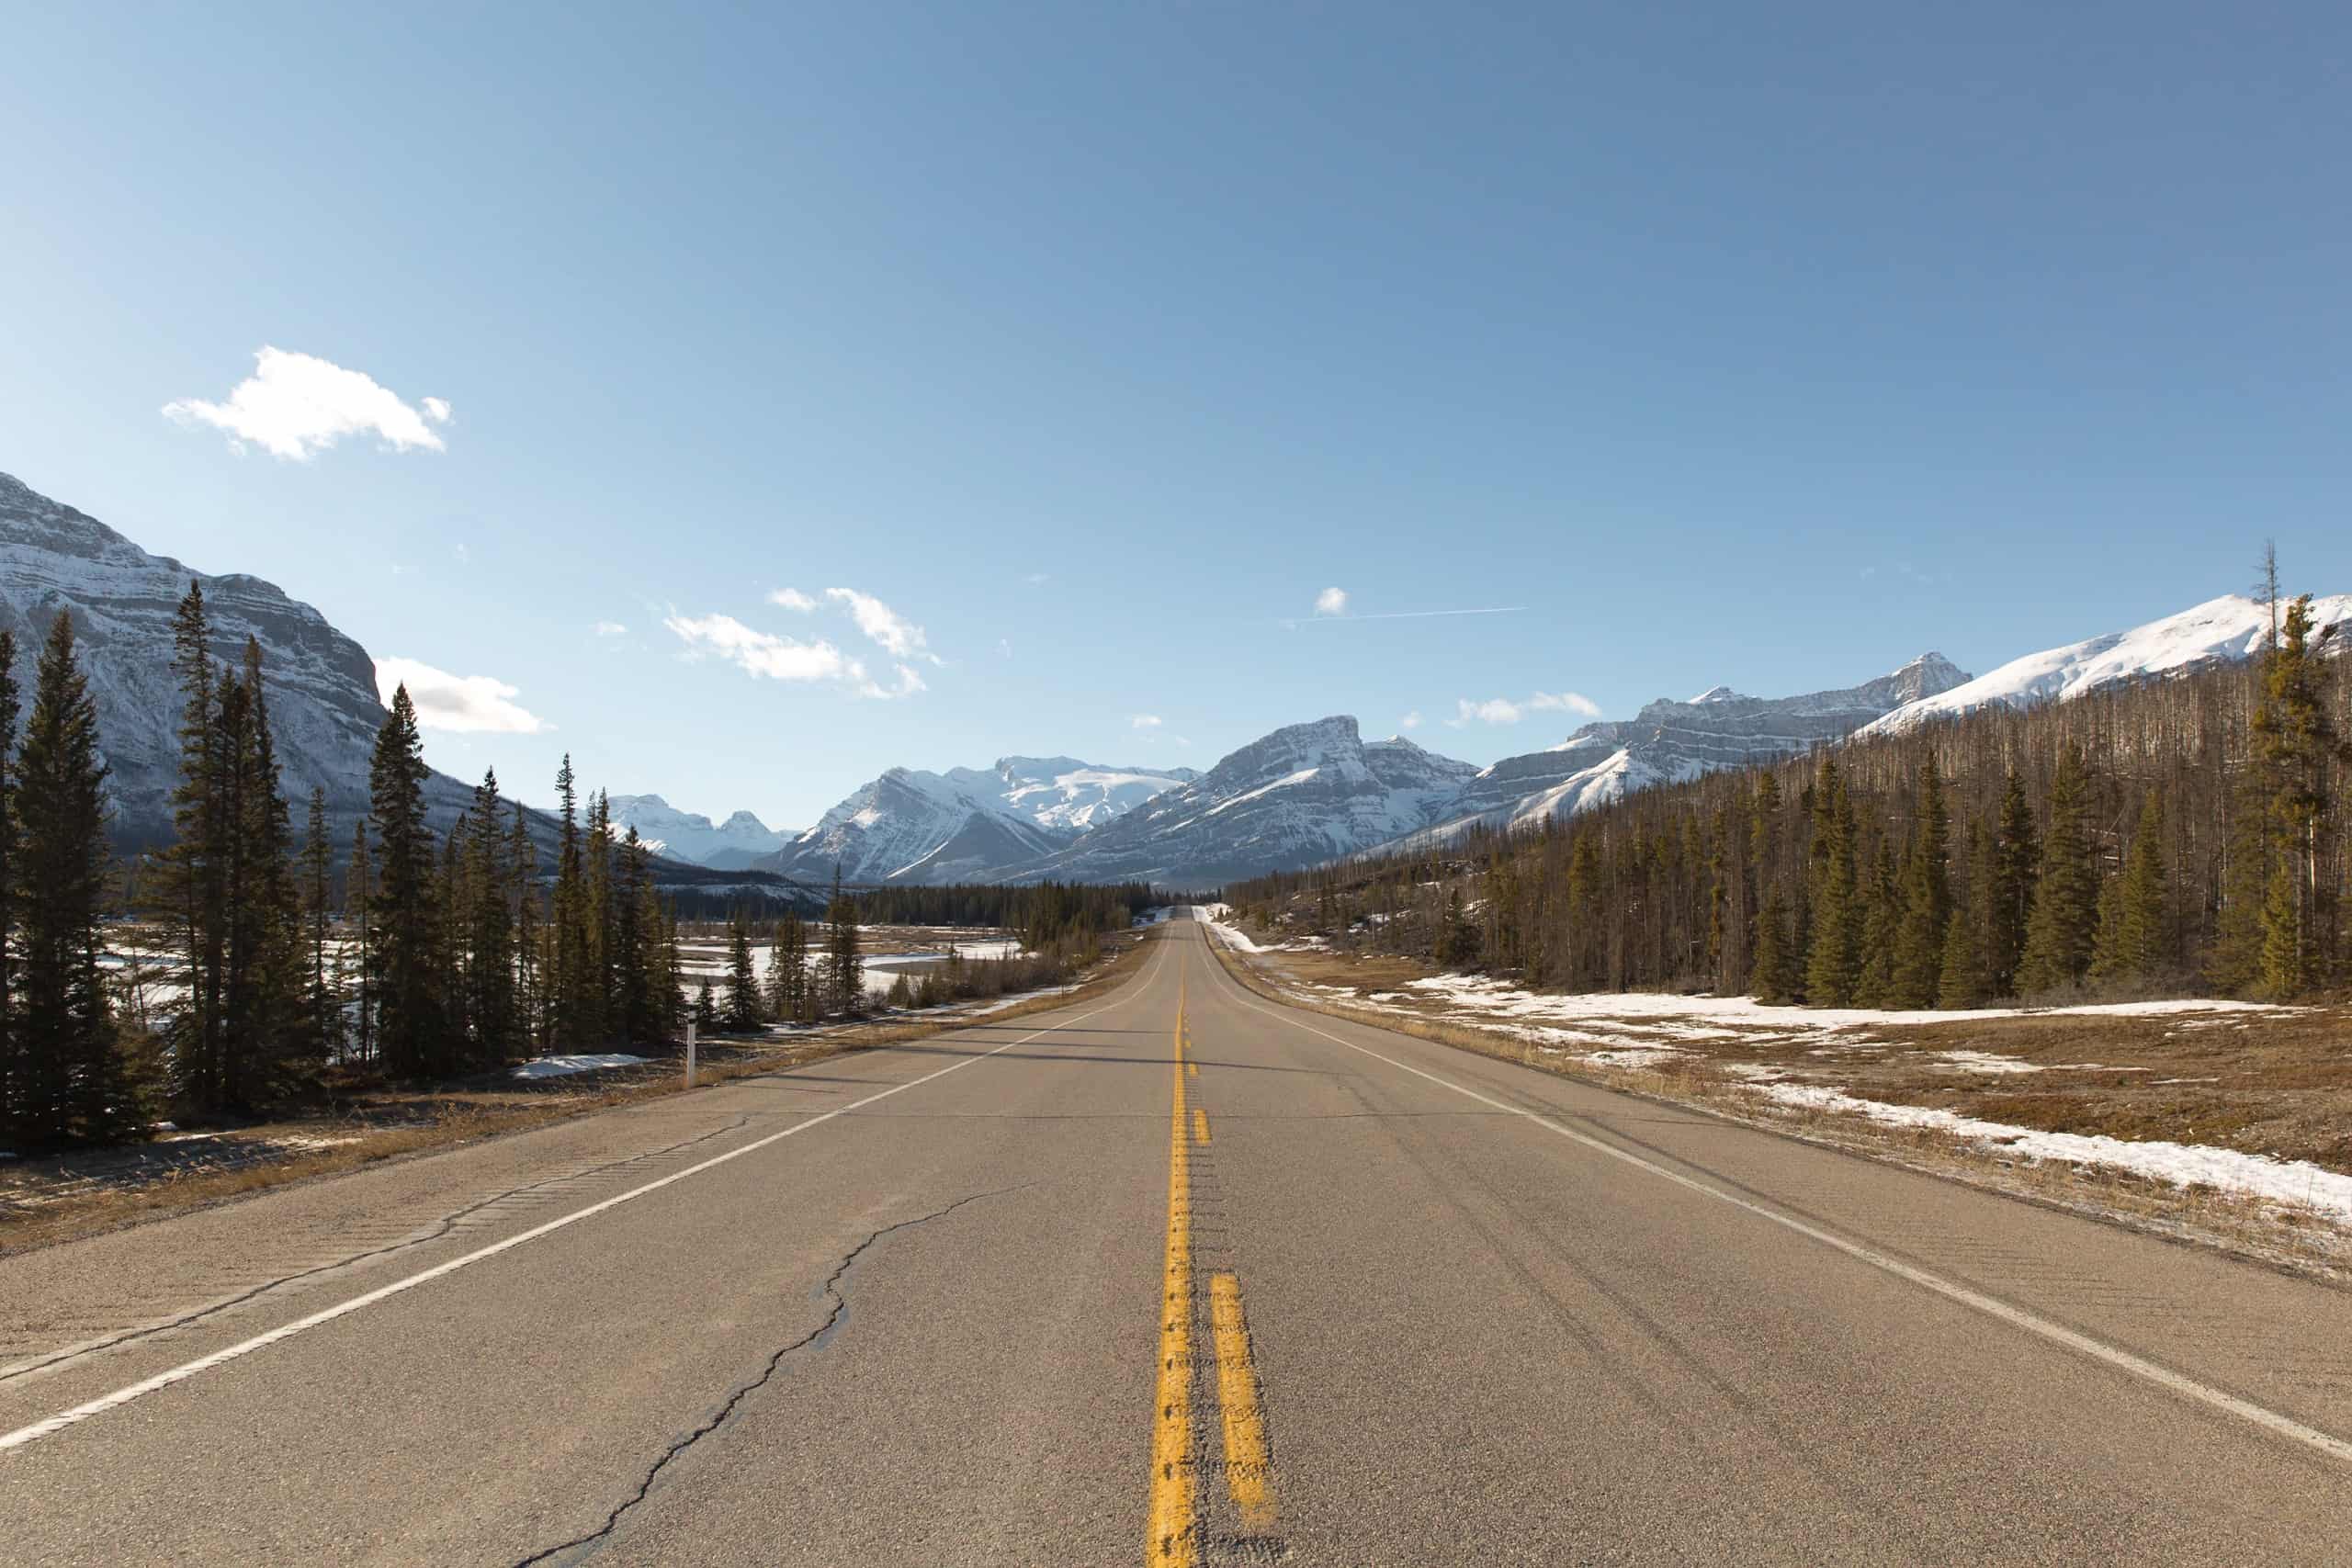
pixel 743 980
pixel 1882 929
pixel 75 1086
pixel 1773 973
pixel 2134 938
pixel 523 866
pixel 493 1004
pixel 2017 868
pixel 323 999
pixel 1927 899
pixel 359 921
pixel 705 1009
pixel 789 970
pixel 2295 750
pixel 571 1009
pixel 844 969
pixel 267 1044
pixel 192 879
pixel 2063 920
pixel 410 1017
pixel 1834 963
pixel 1457 942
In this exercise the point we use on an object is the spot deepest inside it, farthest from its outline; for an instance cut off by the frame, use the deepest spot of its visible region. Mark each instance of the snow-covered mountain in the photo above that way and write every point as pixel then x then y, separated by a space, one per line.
pixel 1303 795
pixel 1669 741
pixel 2219 631
pixel 732 845
pixel 322 684
pixel 963 824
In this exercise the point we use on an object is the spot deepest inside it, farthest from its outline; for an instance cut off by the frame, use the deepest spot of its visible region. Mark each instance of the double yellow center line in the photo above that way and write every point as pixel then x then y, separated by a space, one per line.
pixel 1175 1534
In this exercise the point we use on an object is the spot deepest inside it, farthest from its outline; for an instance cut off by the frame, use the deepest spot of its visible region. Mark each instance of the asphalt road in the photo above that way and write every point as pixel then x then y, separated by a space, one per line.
pixel 1177 1277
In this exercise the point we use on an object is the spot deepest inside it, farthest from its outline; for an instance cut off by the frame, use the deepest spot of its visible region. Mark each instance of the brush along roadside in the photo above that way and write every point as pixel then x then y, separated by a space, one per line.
pixel 66 1197
pixel 1807 1081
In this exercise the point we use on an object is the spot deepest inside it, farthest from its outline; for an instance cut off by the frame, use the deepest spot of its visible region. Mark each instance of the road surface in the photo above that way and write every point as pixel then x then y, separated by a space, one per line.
pixel 1175 1276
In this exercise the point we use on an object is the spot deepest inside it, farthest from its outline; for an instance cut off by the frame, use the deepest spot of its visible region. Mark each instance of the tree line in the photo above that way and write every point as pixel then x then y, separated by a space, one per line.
pixel 1042 912
pixel 2171 836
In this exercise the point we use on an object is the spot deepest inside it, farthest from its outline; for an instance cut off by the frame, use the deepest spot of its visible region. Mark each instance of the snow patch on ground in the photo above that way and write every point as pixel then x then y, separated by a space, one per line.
pixel 2182 1165
pixel 564 1066
pixel 1503 1000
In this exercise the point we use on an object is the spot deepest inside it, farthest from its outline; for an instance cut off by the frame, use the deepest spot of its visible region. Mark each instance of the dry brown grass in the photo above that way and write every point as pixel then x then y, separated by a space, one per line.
pixel 46 1202
pixel 2104 1101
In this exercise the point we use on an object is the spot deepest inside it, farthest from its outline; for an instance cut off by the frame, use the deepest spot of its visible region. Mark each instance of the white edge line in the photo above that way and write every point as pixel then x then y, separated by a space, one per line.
pixel 1992 1306
pixel 121 1397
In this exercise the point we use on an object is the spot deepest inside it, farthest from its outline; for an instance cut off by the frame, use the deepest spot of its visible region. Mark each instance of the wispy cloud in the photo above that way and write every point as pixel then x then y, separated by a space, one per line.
pixel 889 631
pixel 1145 721
pixel 1331 601
pixel 766 656
pixel 792 599
pixel 611 629
pixel 1411 721
pixel 473 704
pixel 1504 710
pixel 1564 701
pixel 294 406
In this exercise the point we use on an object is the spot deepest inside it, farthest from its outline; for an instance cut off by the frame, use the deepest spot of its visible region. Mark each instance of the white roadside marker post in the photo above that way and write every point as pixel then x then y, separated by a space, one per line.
pixel 690 1052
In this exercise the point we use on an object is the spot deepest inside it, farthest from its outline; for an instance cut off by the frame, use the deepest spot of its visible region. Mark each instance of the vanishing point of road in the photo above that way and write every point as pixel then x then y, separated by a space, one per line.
pixel 1174 1276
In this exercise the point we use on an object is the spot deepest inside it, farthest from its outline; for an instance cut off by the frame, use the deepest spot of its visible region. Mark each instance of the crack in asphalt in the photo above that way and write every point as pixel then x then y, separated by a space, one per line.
pixel 436 1231
pixel 776 1361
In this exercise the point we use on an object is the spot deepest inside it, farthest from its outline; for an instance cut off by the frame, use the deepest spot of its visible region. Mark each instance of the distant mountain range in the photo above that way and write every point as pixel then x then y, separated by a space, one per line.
pixel 1302 795
pixel 732 845
pixel 965 824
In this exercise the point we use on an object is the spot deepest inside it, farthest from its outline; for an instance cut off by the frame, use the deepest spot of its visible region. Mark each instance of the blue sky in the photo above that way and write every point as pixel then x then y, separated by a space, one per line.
pixel 1769 345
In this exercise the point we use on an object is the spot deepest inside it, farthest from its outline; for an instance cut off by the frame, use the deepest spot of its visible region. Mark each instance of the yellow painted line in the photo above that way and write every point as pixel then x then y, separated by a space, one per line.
pixel 1193 1069
pixel 1248 1468
pixel 1200 1126
pixel 1173 1539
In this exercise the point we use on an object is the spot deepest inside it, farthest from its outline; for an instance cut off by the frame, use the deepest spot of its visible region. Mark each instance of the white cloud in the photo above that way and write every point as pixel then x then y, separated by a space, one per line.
pixel 792 599
pixel 891 631
pixel 475 704
pixel 1565 701
pixel 1411 721
pixel 1144 721
pixel 611 629
pixel 1331 601
pixel 296 405
pixel 1503 710
pixel 765 655
pixel 1494 710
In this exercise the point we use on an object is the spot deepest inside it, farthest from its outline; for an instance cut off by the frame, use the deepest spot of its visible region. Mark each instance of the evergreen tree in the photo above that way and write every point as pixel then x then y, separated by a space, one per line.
pixel 743 1009
pixel 2063 922
pixel 1882 928
pixel 493 1003
pixel 193 871
pixel 1834 963
pixel 1927 899
pixel 2134 938
pixel 410 1017
pixel 75 1085
pixel 2295 750
pixel 844 969
pixel 323 996
pixel 705 1009
pixel 2017 868
pixel 359 921
pixel 1773 975
pixel 522 867
pixel 1457 942
pixel 789 970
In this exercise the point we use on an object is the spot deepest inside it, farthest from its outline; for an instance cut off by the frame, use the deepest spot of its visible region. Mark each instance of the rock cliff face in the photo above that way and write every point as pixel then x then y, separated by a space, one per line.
pixel 1305 794
pixel 322 684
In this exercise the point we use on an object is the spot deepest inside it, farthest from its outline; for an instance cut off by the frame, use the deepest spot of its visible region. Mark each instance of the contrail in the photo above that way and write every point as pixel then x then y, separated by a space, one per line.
pixel 1399 615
